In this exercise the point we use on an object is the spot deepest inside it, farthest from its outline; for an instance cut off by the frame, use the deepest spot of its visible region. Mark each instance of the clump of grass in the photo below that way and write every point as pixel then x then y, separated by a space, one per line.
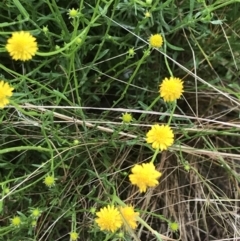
pixel 119 120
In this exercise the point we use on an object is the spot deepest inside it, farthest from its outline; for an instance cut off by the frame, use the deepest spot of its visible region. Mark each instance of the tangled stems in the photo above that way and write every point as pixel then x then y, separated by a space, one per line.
pixel 140 62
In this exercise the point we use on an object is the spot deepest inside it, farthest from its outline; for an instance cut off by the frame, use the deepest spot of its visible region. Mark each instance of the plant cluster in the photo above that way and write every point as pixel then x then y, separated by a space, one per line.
pixel 109 130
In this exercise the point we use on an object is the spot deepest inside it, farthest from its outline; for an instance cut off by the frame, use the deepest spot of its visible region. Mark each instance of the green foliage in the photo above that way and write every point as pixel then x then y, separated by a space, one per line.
pixel 65 116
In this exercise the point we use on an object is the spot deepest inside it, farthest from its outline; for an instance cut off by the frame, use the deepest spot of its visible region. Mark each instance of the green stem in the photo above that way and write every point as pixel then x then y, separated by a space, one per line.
pixel 149 107
pixel 155 155
pixel 222 5
pixel 165 58
pixel 149 228
pixel 24 148
pixel 172 112
pixel 146 53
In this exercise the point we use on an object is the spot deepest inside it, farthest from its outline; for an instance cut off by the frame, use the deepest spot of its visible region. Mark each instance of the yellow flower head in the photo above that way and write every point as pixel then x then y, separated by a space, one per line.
pixel 156 41
pixel 74 236
pixel 174 226
pixel 5 92
pixel 73 13
pixel 127 118
pixel 144 176
pixel 78 41
pixel 49 181
pixel 131 52
pixel 75 142
pixel 161 137
pixel 36 212
pixel 34 223
pixel 16 221
pixel 45 30
pixel 147 14
pixel 6 190
pixel 171 89
pixel 129 216
pixel 22 46
pixel 92 210
pixel 109 219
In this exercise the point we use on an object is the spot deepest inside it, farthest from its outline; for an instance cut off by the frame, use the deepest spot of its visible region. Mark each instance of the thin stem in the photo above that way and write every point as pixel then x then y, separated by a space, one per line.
pixel 172 112
pixel 155 155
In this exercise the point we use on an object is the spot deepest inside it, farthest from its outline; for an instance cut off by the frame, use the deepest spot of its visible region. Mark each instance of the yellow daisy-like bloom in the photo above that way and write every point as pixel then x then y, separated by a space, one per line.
pixel 16 221
pixel 49 181
pixel 144 176
pixel 161 137
pixel 127 118
pixel 109 219
pixel 5 92
pixel 22 46
pixel 156 41
pixel 171 89
pixel 74 236
pixel 129 216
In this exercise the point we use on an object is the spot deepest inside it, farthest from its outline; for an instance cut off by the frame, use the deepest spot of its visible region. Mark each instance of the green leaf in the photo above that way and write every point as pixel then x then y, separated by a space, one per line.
pixel 103 54
pixel 173 47
pixel 216 22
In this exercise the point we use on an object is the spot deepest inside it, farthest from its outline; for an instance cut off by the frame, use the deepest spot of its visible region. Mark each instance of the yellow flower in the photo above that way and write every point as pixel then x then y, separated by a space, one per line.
pixel 22 46
pixel 6 190
pixel 129 216
pixel 75 142
pixel 171 89
pixel 147 14
pixel 36 212
pixel 16 221
pixel 45 30
pixel 73 13
pixel 144 176
pixel 109 219
pixel 156 41
pixel 34 223
pixel 49 181
pixel 161 137
pixel 74 236
pixel 131 52
pixel 78 41
pixel 5 92
pixel 174 226
pixel 127 118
